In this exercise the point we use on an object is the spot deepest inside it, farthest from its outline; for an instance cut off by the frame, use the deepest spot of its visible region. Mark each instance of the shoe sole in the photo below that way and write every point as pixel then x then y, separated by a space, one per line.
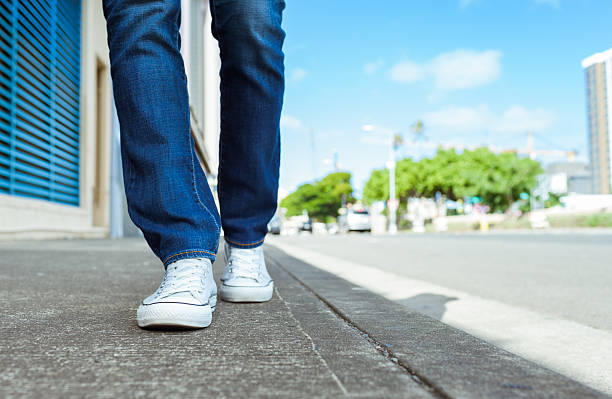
pixel 176 314
pixel 230 293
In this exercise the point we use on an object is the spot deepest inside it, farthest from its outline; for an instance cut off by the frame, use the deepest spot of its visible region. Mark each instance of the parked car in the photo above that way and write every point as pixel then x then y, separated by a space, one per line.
pixel 275 225
pixel 306 226
pixel 355 219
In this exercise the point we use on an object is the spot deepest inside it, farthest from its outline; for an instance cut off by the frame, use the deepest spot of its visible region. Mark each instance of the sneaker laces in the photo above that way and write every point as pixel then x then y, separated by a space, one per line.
pixel 189 276
pixel 244 263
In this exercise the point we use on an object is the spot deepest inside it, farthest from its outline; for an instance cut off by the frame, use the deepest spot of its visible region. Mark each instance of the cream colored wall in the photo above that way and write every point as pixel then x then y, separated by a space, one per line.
pixel 212 95
pixel 204 87
pixel 23 218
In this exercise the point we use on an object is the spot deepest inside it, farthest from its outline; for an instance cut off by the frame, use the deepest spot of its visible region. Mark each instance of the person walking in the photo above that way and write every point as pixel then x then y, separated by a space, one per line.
pixel 167 192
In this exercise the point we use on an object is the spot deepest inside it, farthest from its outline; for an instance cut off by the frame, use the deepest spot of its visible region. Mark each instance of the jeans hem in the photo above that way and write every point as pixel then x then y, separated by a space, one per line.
pixel 190 254
pixel 244 245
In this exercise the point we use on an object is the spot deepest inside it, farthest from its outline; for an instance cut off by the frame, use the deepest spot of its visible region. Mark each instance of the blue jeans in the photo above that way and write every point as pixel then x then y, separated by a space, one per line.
pixel 167 192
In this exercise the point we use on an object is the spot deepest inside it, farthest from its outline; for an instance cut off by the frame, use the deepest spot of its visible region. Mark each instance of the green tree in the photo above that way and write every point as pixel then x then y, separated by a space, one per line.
pixel 377 186
pixel 408 179
pixel 321 199
pixel 498 179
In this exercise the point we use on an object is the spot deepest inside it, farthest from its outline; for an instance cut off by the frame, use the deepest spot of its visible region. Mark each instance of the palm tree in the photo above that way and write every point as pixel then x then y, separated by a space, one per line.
pixel 418 130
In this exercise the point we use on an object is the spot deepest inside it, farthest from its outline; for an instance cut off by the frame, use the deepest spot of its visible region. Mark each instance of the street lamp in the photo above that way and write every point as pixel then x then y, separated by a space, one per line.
pixel 392 204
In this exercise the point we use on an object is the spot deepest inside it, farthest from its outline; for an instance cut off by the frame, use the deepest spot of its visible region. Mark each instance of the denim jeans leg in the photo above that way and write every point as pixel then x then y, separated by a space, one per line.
pixel 167 192
pixel 252 85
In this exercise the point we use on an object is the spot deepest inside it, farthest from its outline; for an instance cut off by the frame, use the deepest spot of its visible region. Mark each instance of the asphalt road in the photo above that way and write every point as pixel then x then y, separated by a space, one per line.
pixel 544 296
pixel 566 275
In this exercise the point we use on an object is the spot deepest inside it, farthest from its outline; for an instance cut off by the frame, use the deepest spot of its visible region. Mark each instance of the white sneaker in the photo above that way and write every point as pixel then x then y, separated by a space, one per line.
pixel 246 278
pixel 186 297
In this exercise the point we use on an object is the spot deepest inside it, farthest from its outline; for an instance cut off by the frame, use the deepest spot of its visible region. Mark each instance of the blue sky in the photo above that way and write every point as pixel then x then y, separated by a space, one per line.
pixel 477 72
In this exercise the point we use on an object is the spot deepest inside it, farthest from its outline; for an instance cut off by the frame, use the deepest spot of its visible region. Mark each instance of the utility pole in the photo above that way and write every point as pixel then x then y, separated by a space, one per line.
pixel 392 206
pixel 395 140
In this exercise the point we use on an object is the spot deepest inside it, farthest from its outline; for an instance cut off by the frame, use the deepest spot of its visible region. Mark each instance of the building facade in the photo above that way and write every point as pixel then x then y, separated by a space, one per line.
pixel 54 119
pixel 598 74
pixel 568 177
pixel 60 173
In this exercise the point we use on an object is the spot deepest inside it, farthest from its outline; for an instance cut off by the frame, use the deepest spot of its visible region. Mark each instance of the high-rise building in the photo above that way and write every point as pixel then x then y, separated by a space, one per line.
pixel 598 73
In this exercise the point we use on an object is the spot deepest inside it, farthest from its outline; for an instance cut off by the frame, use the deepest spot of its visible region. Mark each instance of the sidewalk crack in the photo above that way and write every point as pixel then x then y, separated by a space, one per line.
pixel 314 346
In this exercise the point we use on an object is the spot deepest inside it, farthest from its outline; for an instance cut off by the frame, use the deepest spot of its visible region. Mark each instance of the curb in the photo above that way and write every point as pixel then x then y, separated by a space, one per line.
pixel 451 362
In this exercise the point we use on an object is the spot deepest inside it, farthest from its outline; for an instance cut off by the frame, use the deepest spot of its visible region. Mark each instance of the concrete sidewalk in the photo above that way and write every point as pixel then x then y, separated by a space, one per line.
pixel 68 330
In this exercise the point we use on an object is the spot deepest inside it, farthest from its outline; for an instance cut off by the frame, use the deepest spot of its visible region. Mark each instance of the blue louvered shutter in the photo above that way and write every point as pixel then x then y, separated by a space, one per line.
pixel 40 58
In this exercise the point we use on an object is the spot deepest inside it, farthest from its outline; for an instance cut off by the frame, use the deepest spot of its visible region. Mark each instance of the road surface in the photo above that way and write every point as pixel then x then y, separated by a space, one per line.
pixel 545 296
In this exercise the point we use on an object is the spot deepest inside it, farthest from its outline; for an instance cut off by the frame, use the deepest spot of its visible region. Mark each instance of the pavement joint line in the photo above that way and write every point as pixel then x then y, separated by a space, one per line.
pixel 381 348
pixel 314 347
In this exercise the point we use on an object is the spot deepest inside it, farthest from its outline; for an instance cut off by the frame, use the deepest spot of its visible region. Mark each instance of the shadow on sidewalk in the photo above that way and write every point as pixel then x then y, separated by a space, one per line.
pixel 433 305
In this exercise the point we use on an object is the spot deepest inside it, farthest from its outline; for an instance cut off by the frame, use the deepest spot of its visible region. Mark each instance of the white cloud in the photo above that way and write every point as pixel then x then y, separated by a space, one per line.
pixel 458 118
pixel 371 68
pixel 455 70
pixel 516 119
pixel 298 74
pixel 407 72
pixel 552 3
pixel 291 122
pixel 464 69
pixel 520 119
